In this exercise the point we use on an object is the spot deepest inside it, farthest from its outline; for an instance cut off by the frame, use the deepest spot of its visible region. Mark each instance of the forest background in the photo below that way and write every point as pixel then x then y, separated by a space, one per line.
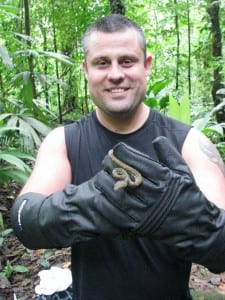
pixel 42 84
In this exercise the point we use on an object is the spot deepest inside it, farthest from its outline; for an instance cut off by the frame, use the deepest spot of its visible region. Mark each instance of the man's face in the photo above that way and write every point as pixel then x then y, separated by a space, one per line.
pixel 116 71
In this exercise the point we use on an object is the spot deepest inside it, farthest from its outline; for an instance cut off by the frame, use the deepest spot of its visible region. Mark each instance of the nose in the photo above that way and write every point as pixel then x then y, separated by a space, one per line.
pixel 115 73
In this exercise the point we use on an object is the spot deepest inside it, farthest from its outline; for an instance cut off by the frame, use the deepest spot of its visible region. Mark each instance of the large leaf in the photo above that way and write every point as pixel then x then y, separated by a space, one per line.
pixel 159 86
pixel 9 8
pixel 202 123
pixel 5 116
pixel 58 56
pixel 180 111
pixel 5 129
pixel 13 160
pixel 24 36
pixel 185 110
pixel 31 134
pixel 5 57
pixel 27 91
pixel 20 154
pixel 16 175
pixel 13 166
pixel 174 108
pixel 37 125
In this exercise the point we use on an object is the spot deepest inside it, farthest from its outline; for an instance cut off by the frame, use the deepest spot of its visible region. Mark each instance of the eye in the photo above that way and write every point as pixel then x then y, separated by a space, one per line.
pixel 101 63
pixel 127 62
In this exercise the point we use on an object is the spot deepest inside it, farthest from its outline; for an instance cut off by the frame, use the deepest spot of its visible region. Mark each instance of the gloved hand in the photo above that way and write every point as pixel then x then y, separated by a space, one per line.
pixel 64 217
pixel 167 205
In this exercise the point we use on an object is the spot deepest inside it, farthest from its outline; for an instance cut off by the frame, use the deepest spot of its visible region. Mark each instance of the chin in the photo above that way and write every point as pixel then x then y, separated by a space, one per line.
pixel 121 112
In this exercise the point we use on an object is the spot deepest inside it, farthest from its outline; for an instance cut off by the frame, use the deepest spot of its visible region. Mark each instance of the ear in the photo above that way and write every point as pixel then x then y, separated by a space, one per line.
pixel 85 69
pixel 148 64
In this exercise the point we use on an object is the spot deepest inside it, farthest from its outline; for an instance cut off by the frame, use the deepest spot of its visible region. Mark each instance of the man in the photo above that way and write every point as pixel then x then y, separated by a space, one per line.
pixel 137 239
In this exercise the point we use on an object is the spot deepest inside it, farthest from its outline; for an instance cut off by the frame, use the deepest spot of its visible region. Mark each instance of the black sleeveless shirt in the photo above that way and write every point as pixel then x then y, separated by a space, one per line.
pixel 112 269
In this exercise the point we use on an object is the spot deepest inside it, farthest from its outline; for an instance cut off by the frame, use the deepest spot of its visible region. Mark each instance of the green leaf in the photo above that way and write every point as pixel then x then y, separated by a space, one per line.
pixel 24 36
pixel 163 102
pixel 5 129
pixel 5 57
pixel 151 102
pixel 16 175
pixel 159 86
pixel 180 112
pixel 27 90
pixel 201 123
pixel 185 110
pixel 30 132
pixel 11 159
pixel 6 232
pixel 5 116
pixel 20 269
pixel 20 154
pixel 58 56
pixel 174 109
pixel 9 8
pixel 38 125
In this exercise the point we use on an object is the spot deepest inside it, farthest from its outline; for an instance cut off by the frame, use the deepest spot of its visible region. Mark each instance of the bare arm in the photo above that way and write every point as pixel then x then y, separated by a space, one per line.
pixel 206 165
pixel 52 170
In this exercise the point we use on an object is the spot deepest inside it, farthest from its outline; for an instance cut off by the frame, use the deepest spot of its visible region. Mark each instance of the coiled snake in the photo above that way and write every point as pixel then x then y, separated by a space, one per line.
pixel 125 174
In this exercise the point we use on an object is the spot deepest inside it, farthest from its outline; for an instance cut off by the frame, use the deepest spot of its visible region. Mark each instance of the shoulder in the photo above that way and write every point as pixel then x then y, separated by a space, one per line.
pixel 195 147
pixel 206 164
pixel 197 144
pixel 54 142
pixel 55 136
pixel 198 148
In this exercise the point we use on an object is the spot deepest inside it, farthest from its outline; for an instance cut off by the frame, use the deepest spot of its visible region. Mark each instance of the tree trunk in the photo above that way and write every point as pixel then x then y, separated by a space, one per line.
pixel 30 57
pixel 117 7
pixel 214 14
pixel 189 48
pixel 56 66
pixel 44 34
pixel 178 45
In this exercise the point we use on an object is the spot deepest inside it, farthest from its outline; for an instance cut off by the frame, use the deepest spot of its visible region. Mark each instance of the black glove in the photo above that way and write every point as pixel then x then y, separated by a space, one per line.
pixel 167 205
pixel 62 218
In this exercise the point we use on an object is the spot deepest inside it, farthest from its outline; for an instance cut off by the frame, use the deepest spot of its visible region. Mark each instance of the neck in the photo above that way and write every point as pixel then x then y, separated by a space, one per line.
pixel 124 123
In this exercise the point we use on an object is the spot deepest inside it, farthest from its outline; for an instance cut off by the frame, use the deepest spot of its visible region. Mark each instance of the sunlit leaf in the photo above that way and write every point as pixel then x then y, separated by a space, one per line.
pixel 57 56
pixel 7 61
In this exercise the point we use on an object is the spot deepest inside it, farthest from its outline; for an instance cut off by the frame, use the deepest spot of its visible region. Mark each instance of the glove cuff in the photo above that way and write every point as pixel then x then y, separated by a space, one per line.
pixel 26 228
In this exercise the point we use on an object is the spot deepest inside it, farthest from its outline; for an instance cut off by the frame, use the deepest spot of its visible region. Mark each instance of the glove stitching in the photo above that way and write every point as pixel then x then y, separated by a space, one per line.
pixel 160 210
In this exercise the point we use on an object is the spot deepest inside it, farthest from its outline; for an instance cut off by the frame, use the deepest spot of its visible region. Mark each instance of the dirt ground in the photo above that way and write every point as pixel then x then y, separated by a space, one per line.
pixel 12 253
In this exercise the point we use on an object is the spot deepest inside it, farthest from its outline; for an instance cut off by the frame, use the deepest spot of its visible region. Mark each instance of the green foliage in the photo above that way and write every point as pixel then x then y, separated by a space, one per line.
pixel 157 95
pixel 20 135
pixel 203 123
pixel 45 259
pixel 3 231
pixel 215 131
pixel 13 166
pixel 204 295
pixel 180 110
pixel 27 128
pixel 9 269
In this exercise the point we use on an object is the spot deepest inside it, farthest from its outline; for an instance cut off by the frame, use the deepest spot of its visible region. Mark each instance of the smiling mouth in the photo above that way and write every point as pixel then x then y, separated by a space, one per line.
pixel 117 90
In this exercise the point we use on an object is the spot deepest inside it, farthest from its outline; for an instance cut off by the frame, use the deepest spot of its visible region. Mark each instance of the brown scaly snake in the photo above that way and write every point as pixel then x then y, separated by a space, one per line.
pixel 126 175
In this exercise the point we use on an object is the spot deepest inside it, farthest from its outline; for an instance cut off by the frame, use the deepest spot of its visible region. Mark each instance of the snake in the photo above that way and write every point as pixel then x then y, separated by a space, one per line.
pixel 125 174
